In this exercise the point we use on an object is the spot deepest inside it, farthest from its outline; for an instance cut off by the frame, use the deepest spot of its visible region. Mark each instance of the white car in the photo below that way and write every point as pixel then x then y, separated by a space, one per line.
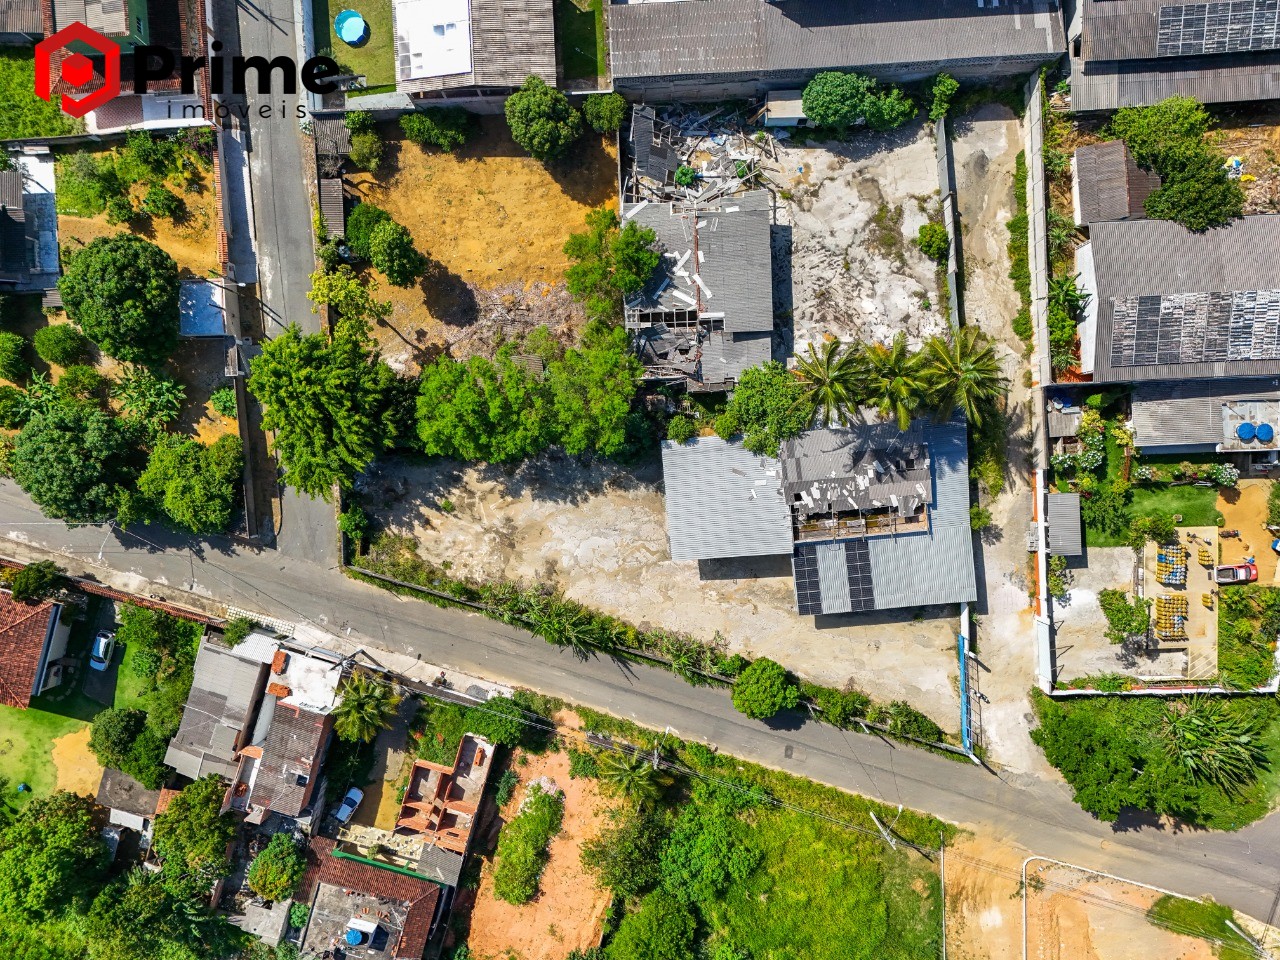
pixel 104 647
pixel 350 802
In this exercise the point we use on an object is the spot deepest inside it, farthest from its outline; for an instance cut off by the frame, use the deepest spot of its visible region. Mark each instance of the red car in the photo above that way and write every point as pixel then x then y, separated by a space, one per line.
pixel 1236 573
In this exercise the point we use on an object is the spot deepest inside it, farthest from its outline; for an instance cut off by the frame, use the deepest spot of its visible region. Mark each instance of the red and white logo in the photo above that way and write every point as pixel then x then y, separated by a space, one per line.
pixel 77 69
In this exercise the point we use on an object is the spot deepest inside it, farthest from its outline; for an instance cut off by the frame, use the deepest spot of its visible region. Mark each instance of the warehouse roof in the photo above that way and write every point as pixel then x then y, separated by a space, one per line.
pixel 1205 413
pixel 1110 184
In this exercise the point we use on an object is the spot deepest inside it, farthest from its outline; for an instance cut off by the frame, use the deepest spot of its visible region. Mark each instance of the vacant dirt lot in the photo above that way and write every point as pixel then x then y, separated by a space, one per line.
pixel 566 913
pixel 852 211
pixel 78 769
pixel 599 534
pixel 493 221
pixel 1244 508
pixel 200 366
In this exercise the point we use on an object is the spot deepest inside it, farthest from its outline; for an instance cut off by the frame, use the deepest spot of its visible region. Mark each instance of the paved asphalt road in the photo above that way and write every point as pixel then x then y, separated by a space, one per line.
pixel 1241 869
pixel 283 234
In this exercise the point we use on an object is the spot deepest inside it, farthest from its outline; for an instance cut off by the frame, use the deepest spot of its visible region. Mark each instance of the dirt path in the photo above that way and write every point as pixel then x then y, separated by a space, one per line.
pixel 567 911
pixel 1245 509
pixel 78 769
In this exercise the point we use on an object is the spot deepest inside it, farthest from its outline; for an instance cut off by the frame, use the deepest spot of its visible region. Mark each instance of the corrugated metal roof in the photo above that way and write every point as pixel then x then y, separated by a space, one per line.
pixel 332 137
pixel 1189 413
pixel 1063 516
pixel 1233 78
pixel 1113 30
pixel 723 501
pixel 1159 257
pixel 750 37
pixel 1063 423
pixel 224 691
pixel 21 16
pixel 1111 184
pixel 925 569
pixel 333 206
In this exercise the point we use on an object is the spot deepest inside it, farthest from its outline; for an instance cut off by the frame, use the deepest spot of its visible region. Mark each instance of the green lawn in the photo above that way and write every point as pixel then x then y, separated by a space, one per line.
pixel 1197 505
pixel 375 59
pixel 580 36
pixel 22 113
pixel 131 690
pixel 25 745
pixel 1200 919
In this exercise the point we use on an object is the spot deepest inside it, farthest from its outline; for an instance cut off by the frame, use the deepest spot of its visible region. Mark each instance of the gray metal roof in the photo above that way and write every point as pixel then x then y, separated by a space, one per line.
pixel 1191 413
pixel 21 16
pixel 332 136
pixel 753 37
pixel 858 468
pixel 1063 516
pixel 291 758
pixel 1234 78
pixel 723 501
pixel 333 206
pixel 1111 184
pixel 1159 258
pixel 1064 423
pixel 224 692
pixel 441 865
pixel 1150 29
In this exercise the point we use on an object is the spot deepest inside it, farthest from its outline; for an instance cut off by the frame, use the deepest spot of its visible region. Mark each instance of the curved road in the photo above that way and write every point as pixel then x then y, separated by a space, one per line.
pixel 1242 869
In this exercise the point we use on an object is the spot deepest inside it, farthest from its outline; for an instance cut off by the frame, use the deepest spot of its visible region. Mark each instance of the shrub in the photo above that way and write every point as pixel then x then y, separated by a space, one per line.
pixel 236 630
pixel 13 361
pixel 944 88
pixel 1125 618
pixel 583 765
pixel 609 262
pixel 391 250
pixel 763 689
pixel 79 382
pixel 359 121
pixel 113 733
pixel 522 846
pixel 364 219
pixel 506 788
pixel 934 242
pixel 223 400
pixel 120 209
pixel 354 522
pixel 662 929
pixel 686 176
pixel 62 344
pixel 605 111
pixel 299 913
pixel 1273 505
pixel 275 872
pixel 443 127
pixel 979 517
pixel 160 201
pixel 13 407
pixel 624 855
pixel 366 151
pixel 541 119
pixel 35 581
pixel 841 100
pixel 681 429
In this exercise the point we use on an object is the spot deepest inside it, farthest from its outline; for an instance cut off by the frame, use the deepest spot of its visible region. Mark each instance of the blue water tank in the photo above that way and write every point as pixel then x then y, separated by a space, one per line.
pixel 354 938
pixel 1265 433
pixel 1245 431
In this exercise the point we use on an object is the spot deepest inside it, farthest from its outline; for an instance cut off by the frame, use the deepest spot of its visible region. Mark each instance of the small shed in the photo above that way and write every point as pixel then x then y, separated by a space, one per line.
pixel 1108 184
pixel 333 208
pixel 785 108
pixel 202 309
pixel 1065 537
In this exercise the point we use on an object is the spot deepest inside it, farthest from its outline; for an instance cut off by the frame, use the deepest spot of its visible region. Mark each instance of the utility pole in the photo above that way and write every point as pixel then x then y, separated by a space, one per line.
pixel 888 837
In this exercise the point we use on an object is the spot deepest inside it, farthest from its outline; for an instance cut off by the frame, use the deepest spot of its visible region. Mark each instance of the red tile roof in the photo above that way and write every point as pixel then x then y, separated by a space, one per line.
pixel 23 628
pixel 420 894
pixel 166 798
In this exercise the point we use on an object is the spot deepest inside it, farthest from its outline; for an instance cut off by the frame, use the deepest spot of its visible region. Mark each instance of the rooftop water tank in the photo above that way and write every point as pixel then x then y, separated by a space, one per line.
pixel 1245 431
pixel 1265 433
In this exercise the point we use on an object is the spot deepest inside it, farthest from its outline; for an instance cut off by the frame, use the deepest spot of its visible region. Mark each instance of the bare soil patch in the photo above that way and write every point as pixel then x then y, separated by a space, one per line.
pixel 1253 134
pixel 200 366
pixel 493 221
pixel 78 769
pixel 568 909
pixel 1245 509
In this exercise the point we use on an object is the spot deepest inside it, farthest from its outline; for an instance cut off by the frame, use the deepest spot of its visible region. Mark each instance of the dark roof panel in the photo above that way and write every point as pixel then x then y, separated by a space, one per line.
pixel 1111 184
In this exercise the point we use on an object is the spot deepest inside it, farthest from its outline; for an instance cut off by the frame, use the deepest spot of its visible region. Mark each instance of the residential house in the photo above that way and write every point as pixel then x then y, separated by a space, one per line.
pixel 332 147
pixel 361 909
pixel 1128 53
pixel 472 49
pixel 707 313
pixel 33 643
pixel 872 517
pixel 131 805
pixel 716 49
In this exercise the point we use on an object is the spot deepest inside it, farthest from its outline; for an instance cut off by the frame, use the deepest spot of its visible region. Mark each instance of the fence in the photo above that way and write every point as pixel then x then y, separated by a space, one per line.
pixel 951 218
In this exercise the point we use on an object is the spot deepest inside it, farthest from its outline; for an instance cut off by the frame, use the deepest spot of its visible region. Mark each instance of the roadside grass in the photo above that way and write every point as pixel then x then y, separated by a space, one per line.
pixel 1198 918
pixel 375 59
pixel 580 33
pixel 22 113
pixel 25 747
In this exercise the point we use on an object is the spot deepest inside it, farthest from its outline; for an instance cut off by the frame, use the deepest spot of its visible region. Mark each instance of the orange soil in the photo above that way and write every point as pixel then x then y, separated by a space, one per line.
pixel 1245 509
pixel 78 769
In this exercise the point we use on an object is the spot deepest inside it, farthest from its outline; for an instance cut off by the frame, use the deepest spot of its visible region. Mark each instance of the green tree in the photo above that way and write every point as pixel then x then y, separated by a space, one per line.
pixel 605 112
pixel 541 119
pixel 887 109
pixel 62 344
pixel 154 398
pixel 391 250
pixel 1212 743
pixel 662 929
pixel 359 121
pixel 500 721
pixel 609 263
pixel 326 401
pixel 223 400
pixel 1151 132
pixel 763 689
pixel 837 100
pixel 123 292
pixel 51 856
pixel 367 150
pixel 623 856
pixel 14 364
pixel 36 581
pixel 361 222
pixel 944 88
pixel 113 733
pixel 368 706
pixel 160 201
pixel 632 776
pixel 443 127
pixel 75 462
pixel 354 522
pixel 591 388
pixel 275 872
pixel 237 630
pixel 352 296
pixel 192 835
pixel 895 383
pixel 522 845
pixel 767 407
pixel 194 486
pixel 493 411
pixel 832 381
pixel 80 382
pixel 681 429
pixel 964 374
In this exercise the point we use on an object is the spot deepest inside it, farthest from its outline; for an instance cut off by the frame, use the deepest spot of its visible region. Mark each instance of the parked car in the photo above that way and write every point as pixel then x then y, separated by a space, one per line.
pixel 1236 573
pixel 346 810
pixel 104 648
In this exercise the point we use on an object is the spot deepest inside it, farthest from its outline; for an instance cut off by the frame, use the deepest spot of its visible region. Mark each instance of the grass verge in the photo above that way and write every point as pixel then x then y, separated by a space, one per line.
pixel 1202 919
pixel 580 33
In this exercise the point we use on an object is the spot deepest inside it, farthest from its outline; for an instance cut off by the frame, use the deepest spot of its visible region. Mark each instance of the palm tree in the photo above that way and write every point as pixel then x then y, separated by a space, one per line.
pixel 831 379
pixel 894 384
pixel 368 705
pixel 965 373
pixel 1212 743
pixel 632 776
